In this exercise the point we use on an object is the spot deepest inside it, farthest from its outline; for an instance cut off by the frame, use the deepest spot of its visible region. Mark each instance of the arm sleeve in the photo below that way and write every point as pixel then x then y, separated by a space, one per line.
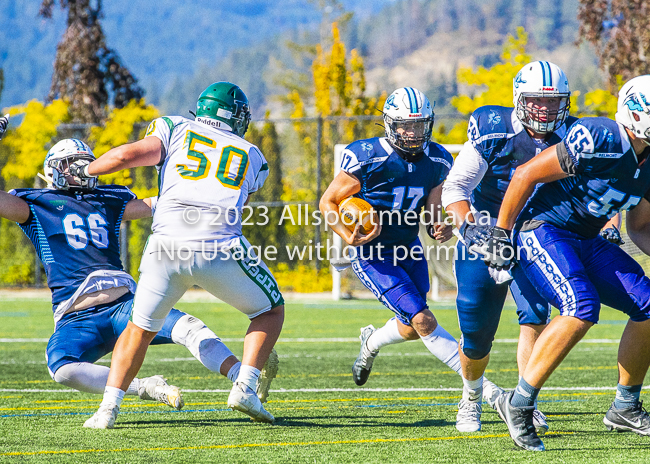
pixel 162 129
pixel 466 173
pixel 566 161
pixel 263 171
pixel 350 163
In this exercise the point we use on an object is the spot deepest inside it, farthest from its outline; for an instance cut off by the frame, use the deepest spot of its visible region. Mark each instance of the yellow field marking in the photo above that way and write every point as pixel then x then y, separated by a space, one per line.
pixel 396 412
pixel 76 401
pixel 260 445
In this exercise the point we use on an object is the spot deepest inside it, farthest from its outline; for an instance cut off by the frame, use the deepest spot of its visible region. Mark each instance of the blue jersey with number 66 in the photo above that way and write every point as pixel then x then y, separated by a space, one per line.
pixel 75 233
pixel 604 178
pixel 397 189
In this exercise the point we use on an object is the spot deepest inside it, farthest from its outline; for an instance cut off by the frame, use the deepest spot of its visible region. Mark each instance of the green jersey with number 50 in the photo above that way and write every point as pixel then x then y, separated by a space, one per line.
pixel 205 176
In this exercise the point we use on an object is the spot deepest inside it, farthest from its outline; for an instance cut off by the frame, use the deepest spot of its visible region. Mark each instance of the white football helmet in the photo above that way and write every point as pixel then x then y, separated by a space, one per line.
pixel 633 109
pixel 59 159
pixel 541 79
pixel 410 110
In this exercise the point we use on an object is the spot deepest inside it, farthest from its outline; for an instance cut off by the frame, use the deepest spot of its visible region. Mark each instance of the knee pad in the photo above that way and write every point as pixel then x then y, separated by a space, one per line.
pixel 202 342
pixel 475 348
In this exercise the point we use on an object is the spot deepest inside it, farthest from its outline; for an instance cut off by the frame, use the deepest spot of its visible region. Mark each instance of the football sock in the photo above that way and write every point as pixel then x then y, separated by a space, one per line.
pixel 202 342
pixel 444 347
pixel 233 373
pixel 525 395
pixel 89 378
pixel 113 395
pixel 384 336
pixel 473 390
pixel 248 375
pixel 627 397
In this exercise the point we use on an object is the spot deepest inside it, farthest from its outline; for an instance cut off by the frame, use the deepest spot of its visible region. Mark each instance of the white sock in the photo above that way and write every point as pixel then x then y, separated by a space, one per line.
pixel 444 347
pixel 473 389
pixel 233 373
pixel 113 395
pixel 89 378
pixel 134 388
pixel 384 336
pixel 248 375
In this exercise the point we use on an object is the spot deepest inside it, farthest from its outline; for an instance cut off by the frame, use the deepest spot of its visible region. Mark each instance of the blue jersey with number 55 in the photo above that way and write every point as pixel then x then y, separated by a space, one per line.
pixel 75 233
pixel 604 178
pixel 395 186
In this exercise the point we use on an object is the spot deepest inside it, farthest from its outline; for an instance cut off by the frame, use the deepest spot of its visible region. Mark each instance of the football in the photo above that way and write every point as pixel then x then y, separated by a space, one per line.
pixel 353 211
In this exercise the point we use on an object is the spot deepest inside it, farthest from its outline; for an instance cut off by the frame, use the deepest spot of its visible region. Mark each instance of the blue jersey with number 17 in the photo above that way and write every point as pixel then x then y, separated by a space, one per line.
pixel 391 184
pixel 75 233
pixel 604 178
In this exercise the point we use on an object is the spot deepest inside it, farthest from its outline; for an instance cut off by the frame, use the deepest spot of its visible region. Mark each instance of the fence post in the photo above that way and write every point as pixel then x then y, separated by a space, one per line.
pixel 319 145
pixel 38 183
pixel 124 245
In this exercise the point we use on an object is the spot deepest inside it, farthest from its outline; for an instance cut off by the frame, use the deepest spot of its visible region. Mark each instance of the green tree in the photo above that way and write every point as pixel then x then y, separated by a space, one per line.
pixel 620 31
pixel 87 73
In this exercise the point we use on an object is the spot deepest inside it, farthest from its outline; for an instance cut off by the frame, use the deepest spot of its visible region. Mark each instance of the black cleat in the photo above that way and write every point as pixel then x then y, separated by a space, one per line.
pixel 363 364
pixel 520 423
pixel 634 419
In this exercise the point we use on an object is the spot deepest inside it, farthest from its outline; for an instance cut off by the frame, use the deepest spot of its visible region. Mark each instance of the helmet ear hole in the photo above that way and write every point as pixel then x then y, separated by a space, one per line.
pixel 636 117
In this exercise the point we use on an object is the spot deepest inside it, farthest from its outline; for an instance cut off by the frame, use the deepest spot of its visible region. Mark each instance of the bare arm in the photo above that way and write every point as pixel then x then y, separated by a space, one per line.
pixel 343 186
pixel 543 168
pixel 137 209
pixel 615 221
pixel 145 152
pixel 460 212
pixel 638 225
pixel 13 208
pixel 433 208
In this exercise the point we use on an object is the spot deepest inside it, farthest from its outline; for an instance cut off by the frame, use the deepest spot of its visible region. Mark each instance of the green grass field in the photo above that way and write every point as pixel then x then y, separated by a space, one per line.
pixel 405 413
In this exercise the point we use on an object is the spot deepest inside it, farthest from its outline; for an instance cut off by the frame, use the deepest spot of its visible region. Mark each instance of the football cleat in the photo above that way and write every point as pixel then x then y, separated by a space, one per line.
pixel 157 389
pixel 104 418
pixel 539 421
pixel 491 392
pixel 468 418
pixel 634 419
pixel 267 374
pixel 363 364
pixel 243 399
pixel 520 423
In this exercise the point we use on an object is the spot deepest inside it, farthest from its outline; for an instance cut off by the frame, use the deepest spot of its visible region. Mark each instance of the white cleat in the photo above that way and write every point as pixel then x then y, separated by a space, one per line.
pixel 243 399
pixel 491 392
pixel 267 374
pixel 157 389
pixel 539 421
pixel 104 418
pixel 468 418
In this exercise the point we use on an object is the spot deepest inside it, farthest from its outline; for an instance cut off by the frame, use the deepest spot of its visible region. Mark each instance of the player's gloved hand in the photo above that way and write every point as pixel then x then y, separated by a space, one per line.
pixel 440 231
pixel 498 251
pixel 612 235
pixel 4 122
pixel 475 235
pixel 80 169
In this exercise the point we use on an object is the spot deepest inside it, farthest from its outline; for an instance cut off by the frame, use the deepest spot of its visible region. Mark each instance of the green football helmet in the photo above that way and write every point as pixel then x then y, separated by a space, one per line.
pixel 224 105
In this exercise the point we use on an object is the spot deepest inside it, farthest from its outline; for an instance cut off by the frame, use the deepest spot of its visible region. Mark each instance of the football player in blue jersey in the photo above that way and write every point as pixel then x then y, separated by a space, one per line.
pixel 398 175
pixel 74 226
pixel 599 168
pixel 500 139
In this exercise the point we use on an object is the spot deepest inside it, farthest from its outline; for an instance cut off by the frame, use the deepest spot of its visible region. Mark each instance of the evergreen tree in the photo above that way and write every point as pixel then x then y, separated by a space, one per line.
pixel 620 31
pixel 87 73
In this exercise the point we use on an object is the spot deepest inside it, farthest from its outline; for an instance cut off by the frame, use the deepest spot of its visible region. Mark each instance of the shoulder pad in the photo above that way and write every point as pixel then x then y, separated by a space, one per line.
pixel 489 126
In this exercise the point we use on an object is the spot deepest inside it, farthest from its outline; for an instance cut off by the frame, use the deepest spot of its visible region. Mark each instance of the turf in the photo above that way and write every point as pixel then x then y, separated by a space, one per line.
pixel 321 416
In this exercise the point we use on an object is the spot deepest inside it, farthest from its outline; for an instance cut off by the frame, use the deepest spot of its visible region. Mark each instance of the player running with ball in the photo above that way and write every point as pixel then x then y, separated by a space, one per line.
pixel 398 175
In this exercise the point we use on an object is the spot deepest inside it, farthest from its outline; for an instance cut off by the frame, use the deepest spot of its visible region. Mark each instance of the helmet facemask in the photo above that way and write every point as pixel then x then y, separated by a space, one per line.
pixel 410 136
pixel 56 173
pixel 543 121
